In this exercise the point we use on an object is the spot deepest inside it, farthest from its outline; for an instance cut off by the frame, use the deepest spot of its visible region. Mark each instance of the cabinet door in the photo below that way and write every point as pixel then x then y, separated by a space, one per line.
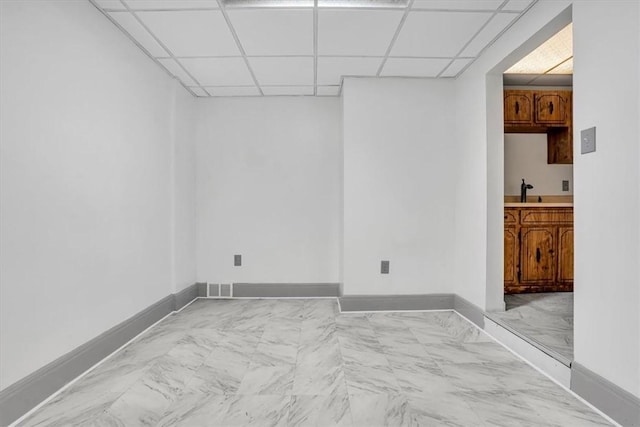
pixel 565 254
pixel 518 107
pixel 550 109
pixel 510 257
pixel 537 257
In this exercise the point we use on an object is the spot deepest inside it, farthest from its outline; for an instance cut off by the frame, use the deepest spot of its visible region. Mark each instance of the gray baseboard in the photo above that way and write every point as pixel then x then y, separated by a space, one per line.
pixel 396 302
pixel 20 397
pixel 202 289
pixel 285 290
pixel 469 310
pixel 185 296
pixel 617 403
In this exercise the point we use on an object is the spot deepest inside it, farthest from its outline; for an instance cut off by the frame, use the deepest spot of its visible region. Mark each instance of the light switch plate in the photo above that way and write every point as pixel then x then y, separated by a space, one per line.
pixel 588 140
pixel 565 185
pixel 237 260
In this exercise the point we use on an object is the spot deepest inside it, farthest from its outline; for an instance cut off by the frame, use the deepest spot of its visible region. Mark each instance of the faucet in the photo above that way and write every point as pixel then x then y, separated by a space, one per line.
pixel 523 191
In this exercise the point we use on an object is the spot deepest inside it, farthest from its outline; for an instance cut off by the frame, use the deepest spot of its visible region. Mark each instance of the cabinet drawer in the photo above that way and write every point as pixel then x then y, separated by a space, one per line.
pixel 546 216
pixel 511 216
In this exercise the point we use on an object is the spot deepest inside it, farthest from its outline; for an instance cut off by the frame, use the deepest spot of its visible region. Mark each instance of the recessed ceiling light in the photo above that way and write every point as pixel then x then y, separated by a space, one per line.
pixel 552 57
pixel 321 3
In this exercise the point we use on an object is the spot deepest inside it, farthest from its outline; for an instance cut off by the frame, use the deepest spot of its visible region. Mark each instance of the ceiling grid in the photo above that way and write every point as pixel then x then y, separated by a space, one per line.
pixel 308 47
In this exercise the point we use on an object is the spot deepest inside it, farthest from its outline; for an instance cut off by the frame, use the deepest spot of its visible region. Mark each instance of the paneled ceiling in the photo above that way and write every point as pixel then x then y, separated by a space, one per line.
pixel 307 47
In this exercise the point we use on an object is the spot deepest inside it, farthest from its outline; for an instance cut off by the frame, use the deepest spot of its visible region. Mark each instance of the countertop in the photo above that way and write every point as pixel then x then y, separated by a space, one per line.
pixel 539 205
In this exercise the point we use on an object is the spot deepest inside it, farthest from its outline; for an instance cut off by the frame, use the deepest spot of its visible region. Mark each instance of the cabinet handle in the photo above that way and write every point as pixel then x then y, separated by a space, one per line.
pixel 517 108
pixel 538 255
pixel 550 107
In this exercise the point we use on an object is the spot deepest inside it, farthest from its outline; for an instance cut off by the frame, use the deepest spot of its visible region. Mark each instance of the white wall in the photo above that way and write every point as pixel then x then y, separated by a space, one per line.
pixel 85 182
pixel 606 215
pixel 268 174
pixel 525 156
pixel 183 197
pixel 399 184
pixel 480 153
pixel 607 207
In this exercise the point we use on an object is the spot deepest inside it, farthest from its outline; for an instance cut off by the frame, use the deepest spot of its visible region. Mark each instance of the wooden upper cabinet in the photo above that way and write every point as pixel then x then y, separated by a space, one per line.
pixel 518 107
pixel 542 111
pixel 550 108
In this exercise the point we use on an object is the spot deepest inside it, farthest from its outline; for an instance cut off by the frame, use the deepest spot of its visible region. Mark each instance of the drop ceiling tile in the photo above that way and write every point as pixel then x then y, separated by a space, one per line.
pixel 233 91
pixel 517 5
pixel 437 34
pixel 283 71
pixel 455 67
pixel 331 69
pixel 457 4
pixel 171 4
pixel 414 67
pixel 274 31
pixel 110 4
pixel 177 71
pixel 192 33
pixel 287 90
pixel 356 32
pixel 219 71
pixel 198 91
pixel 328 91
pixel 498 23
pixel 137 31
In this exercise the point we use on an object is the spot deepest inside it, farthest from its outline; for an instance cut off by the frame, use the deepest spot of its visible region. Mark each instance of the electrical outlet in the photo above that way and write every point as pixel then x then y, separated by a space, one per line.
pixel 565 185
pixel 384 267
pixel 237 260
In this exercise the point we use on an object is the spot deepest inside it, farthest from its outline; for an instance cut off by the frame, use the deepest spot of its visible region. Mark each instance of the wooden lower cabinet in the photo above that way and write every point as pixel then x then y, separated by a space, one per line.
pixel 565 257
pixel 536 255
pixel 538 250
pixel 511 251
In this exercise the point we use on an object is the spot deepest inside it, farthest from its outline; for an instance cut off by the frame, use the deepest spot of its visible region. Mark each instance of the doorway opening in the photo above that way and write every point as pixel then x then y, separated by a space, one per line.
pixel 538 198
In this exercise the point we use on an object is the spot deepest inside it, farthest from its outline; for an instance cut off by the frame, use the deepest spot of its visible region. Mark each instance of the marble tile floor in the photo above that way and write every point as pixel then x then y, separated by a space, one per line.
pixel 544 318
pixel 301 363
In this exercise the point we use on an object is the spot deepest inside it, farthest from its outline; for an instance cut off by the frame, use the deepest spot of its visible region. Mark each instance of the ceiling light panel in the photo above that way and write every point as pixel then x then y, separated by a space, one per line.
pixel 457 4
pixel 177 71
pixel 356 32
pixel 192 33
pixel 233 91
pixel 328 90
pixel 455 67
pixel 554 51
pixel 497 24
pixel 171 4
pixel 138 32
pixel 372 4
pixel 274 31
pixel 331 69
pixel 287 90
pixel 437 34
pixel 517 5
pixel 564 68
pixel 414 67
pixel 267 4
pixel 219 71
pixel 283 71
